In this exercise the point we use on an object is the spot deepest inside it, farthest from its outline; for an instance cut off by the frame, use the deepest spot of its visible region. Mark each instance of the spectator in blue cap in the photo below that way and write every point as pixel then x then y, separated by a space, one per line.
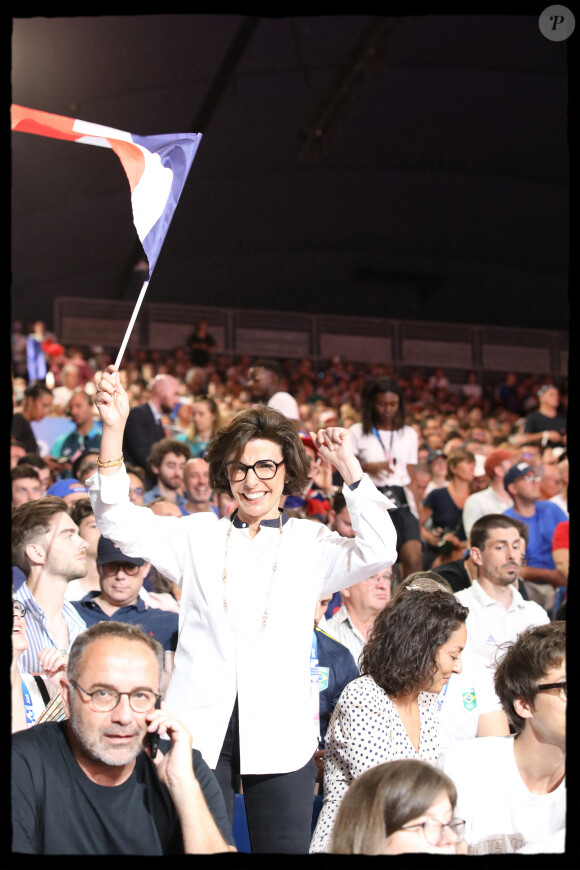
pixel 121 578
pixel 69 489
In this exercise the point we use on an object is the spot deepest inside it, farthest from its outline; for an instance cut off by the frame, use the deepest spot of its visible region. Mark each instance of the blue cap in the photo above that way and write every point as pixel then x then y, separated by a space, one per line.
pixel 67 486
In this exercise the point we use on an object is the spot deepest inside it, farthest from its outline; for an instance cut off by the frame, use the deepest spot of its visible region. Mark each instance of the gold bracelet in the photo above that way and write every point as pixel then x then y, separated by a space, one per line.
pixel 110 463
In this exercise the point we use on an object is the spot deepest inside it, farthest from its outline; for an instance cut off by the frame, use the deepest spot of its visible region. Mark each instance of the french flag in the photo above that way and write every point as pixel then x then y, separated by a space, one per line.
pixel 156 166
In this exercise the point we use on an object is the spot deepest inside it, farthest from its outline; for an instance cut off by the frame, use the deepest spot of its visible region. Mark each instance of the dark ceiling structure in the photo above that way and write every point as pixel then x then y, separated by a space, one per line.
pixel 405 166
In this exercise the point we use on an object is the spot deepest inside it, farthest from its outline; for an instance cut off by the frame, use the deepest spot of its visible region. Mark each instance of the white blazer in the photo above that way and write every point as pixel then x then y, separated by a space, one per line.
pixel 223 654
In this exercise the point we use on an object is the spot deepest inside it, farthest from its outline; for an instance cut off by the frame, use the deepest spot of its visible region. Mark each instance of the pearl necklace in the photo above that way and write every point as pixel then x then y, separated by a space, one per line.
pixel 225 574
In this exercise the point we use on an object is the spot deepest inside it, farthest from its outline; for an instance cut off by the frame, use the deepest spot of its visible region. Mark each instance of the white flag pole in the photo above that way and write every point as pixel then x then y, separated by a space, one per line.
pixel 131 323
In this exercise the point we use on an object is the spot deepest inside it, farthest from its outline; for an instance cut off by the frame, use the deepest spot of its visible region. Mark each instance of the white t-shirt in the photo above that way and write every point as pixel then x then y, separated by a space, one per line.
pixel 399 444
pixel 465 698
pixel 501 815
pixel 489 624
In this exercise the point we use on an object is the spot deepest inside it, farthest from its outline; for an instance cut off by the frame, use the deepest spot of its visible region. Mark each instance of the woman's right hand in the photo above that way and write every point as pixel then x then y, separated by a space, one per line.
pixel 112 400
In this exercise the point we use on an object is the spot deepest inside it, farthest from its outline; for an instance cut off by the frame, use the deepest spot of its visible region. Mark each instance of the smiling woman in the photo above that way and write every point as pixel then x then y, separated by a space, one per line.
pixel 250 583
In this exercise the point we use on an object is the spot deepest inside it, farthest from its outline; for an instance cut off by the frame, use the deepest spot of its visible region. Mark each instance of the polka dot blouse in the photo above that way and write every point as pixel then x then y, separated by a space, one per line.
pixel 365 730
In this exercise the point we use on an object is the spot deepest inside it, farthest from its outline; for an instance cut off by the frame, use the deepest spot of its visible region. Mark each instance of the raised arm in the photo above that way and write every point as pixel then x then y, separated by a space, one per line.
pixel 112 404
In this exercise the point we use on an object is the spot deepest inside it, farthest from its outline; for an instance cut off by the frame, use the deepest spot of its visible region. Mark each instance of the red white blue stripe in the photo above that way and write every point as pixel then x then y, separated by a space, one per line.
pixel 156 166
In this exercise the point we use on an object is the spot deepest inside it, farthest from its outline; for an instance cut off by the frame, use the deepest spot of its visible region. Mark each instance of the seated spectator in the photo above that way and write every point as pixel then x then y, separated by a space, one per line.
pixel 87 432
pixel 442 511
pixel 461 573
pixel 497 611
pixel 353 622
pixel 544 426
pixel 121 578
pixel 26 485
pixel 520 798
pixel 17 451
pixel 390 711
pixel 467 704
pixel 205 422
pixel 332 668
pixel 69 383
pixel 34 697
pixel 85 465
pixel 197 491
pixel 417 489
pixel 166 462
pixel 49 551
pixel 437 464
pixel 137 484
pixel 81 513
pixel 93 784
pixel 398 807
pixel 36 406
pixel 165 508
pixel 561 499
pixel 542 579
pixel 494 499
pixel 42 468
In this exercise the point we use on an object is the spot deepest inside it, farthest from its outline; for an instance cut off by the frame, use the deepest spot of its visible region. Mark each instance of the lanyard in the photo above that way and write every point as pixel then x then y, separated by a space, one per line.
pixel 30 717
pixel 389 455
pixel 442 696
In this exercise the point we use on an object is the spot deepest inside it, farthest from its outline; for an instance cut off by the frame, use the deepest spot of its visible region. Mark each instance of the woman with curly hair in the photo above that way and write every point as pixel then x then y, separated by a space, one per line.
pixel 389 712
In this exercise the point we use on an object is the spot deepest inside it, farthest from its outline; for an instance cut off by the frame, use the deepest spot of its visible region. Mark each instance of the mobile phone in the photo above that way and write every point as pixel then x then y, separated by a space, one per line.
pixel 153 736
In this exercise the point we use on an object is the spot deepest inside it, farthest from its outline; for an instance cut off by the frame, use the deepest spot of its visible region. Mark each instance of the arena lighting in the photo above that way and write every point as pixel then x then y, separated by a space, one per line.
pixel 373 53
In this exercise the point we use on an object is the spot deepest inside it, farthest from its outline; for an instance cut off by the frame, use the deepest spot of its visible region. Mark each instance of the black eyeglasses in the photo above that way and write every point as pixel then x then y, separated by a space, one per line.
pixel 264 469
pixel 562 686
pixel 435 831
pixel 112 568
pixel 18 609
pixel 103 699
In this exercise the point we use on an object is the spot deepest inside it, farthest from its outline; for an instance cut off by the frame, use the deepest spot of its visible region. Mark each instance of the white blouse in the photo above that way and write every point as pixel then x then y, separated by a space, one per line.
pixel 223 653
pixel 365 729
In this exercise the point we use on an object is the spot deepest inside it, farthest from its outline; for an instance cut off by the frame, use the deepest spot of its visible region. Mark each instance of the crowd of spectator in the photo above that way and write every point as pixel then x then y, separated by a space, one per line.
pixel 478 498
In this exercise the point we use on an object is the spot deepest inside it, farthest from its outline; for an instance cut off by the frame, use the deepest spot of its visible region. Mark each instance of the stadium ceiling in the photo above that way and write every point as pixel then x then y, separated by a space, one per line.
pixel 404 166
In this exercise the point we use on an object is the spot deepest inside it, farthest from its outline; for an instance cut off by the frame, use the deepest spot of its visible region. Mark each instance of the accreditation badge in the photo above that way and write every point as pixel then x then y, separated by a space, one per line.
pixel 469 699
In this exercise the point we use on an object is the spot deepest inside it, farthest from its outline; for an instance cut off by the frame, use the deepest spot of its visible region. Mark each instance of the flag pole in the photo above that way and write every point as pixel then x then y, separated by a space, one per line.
pixel 131 323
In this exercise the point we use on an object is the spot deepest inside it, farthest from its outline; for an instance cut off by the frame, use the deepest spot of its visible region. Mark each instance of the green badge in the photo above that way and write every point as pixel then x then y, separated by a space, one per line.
pixel 469 700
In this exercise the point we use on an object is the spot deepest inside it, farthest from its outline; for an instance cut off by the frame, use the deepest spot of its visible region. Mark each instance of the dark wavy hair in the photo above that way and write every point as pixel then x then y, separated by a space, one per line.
pixel 371 390
pixel 401 654
pixel 265 423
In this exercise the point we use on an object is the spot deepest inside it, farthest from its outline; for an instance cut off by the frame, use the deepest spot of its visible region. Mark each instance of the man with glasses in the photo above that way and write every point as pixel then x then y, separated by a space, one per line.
pixel 93 784
pixel 352 624
pixel 121 578
pixel 497 611
pixel 512 790
pixel 522 482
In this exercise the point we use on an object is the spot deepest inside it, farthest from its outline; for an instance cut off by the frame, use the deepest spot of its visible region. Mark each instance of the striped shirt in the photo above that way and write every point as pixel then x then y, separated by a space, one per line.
pixel 37 632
